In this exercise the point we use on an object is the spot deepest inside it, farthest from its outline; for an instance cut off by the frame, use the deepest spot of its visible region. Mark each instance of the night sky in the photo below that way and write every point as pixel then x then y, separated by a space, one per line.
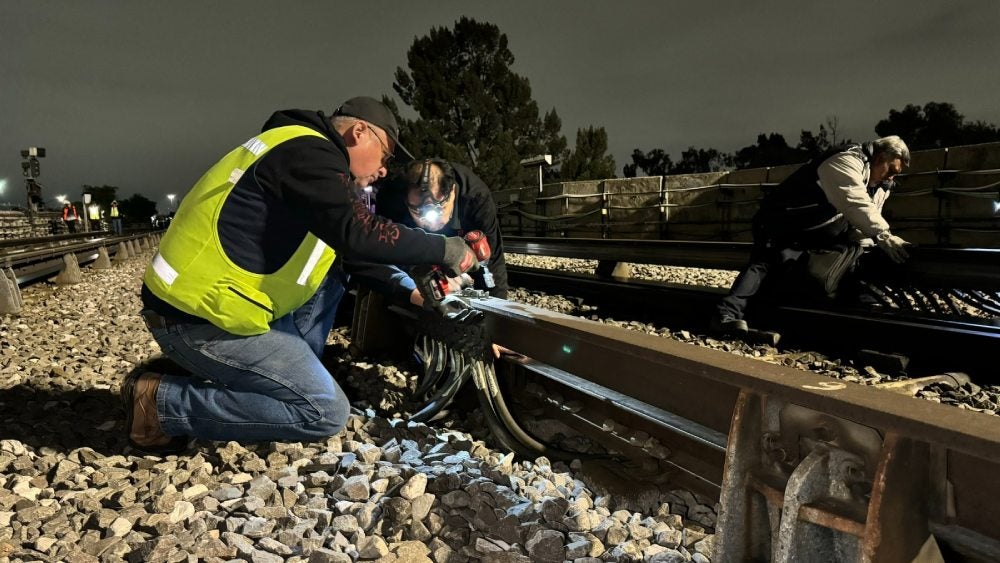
pixel 146 95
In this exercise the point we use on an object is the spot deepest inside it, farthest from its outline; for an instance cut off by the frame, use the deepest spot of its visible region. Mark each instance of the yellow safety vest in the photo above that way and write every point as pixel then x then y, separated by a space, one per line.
pixel 192 272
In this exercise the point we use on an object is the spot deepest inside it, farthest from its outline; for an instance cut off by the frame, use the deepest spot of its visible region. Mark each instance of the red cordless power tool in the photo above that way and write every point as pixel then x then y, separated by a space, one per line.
pixel 433 283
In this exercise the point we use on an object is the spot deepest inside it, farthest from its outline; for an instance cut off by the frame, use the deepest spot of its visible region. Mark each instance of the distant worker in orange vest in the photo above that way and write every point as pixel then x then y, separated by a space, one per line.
pixel 70 216
pixel 116 219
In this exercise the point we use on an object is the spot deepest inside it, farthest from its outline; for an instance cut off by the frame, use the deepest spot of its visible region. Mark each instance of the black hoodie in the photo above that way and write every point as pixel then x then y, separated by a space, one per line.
pixel 304 185
pixel 474 210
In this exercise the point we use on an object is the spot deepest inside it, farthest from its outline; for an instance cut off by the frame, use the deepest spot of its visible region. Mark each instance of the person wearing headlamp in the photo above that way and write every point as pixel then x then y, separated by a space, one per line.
pixel 445 198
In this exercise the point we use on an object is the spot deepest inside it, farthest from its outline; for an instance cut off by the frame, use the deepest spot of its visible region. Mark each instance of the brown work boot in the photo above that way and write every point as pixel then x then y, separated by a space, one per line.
pixel 141 420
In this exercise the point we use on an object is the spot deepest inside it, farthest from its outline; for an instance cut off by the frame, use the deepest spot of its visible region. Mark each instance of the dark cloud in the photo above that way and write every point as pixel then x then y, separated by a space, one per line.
pixel 146 95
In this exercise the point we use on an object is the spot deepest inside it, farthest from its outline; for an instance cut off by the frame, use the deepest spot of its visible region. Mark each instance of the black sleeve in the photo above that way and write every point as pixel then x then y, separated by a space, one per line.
pixel 481 214
pixel 383 278
pixel 312 177
pixel 390 201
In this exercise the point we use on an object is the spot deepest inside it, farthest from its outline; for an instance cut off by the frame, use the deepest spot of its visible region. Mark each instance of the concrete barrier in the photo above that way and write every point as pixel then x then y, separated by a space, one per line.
pixel 947 196
pixel 122 254
pixel 103 262
pixel 15 288
pixel 10 294
pixel 70 274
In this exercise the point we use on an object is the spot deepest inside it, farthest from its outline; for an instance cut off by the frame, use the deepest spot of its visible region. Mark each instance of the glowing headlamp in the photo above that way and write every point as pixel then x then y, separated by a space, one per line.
pixel 430 210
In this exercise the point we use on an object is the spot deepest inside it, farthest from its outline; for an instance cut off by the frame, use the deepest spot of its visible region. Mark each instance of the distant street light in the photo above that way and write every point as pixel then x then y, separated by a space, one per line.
pixel 171 198
pixel 61 199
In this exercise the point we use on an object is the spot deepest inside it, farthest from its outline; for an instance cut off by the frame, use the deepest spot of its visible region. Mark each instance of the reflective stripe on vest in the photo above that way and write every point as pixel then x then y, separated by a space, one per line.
pixel 192 272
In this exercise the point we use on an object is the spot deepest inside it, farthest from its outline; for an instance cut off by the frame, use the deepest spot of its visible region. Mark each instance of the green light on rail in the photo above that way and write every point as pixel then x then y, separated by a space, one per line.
pixel 567 349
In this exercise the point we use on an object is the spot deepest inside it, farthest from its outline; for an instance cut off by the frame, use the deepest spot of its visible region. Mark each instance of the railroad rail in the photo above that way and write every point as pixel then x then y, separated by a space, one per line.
pixel 908 331
pixel 38 258
pixel 806 468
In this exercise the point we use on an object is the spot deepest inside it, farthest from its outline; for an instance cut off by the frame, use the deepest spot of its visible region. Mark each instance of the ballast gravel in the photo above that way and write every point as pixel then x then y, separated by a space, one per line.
pixel 382 490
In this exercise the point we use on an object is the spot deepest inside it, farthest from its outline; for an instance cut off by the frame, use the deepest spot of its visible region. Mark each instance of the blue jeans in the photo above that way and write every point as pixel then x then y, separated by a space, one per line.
pixel 270 386
pixel 116 225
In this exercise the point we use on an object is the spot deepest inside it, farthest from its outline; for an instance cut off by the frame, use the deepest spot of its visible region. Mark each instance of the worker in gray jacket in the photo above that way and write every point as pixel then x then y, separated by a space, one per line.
pixel 829 203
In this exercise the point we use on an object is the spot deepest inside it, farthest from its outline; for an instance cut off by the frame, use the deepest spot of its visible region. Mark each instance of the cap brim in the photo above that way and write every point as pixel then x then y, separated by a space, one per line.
pixel 400 152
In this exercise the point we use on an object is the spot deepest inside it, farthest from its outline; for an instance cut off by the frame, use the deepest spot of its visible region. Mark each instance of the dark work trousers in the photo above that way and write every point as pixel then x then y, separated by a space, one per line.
pixel 764 259
pixel 776 256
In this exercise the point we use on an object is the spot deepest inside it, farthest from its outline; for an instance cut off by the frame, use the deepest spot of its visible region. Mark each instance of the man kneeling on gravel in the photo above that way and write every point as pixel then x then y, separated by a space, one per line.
pixel 832 204
pixel 244 288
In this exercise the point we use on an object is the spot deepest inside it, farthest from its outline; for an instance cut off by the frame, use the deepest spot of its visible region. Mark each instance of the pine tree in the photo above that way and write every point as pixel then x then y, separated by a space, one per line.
pixel 472 107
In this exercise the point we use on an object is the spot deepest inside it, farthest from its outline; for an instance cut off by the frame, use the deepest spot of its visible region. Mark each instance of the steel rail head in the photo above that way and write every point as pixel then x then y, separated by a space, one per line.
pixel 702 384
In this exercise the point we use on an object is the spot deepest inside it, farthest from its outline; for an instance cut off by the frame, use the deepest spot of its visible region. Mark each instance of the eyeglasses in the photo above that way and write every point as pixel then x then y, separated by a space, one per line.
pixel 386 153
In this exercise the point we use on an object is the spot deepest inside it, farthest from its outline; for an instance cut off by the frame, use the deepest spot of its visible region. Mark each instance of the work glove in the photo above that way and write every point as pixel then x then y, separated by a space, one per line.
pixel 893 246
pixel 455 309
pixel 458 257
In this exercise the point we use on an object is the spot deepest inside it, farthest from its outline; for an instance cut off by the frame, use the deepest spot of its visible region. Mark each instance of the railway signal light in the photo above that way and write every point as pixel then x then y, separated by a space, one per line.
pixel 30 167
pixel 31 170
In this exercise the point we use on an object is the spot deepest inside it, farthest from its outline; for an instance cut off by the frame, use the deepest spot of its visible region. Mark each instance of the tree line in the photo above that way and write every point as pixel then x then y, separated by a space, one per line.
pixel 474 109
pixel 935 125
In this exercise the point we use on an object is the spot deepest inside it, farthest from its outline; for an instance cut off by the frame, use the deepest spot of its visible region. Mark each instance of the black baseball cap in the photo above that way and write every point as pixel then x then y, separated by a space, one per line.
pixel 375 112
